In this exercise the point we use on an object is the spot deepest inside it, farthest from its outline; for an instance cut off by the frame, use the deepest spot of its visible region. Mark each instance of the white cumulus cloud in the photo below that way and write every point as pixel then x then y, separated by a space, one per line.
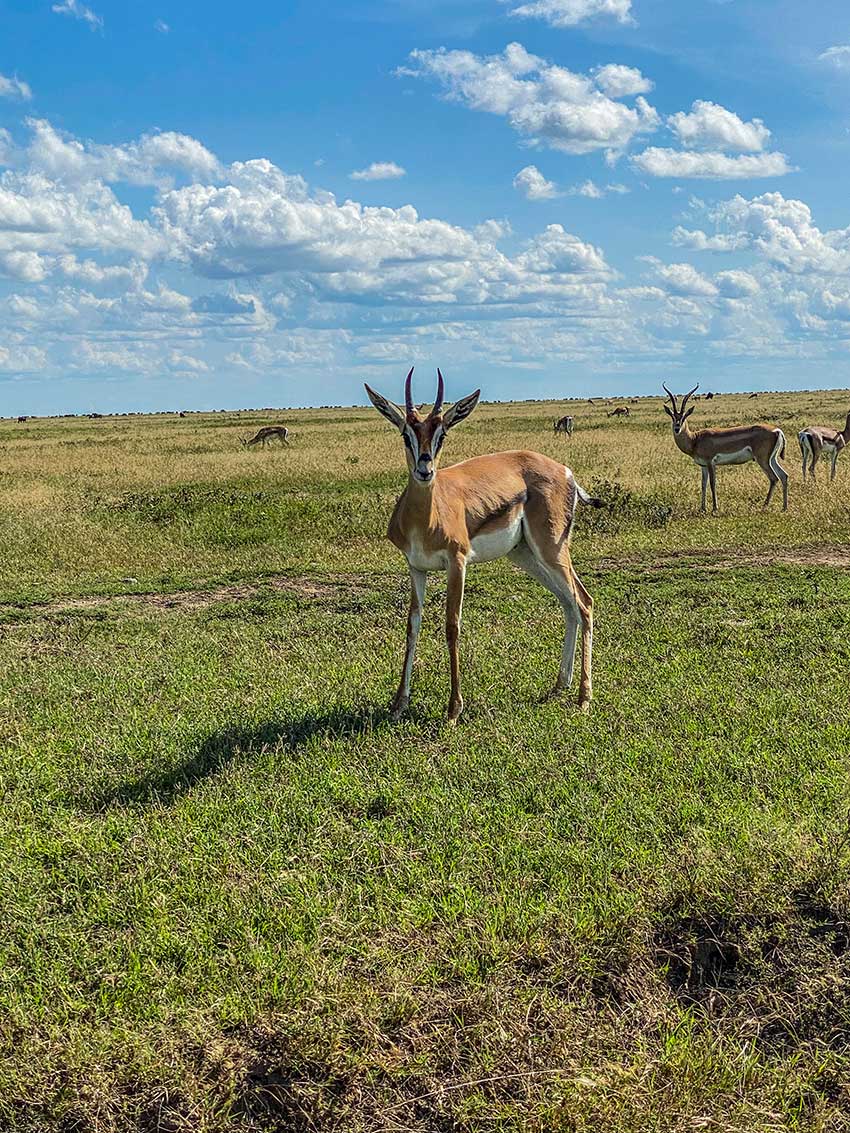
pixel 709 165
pixel 546 104
pixel 618 81
pixel 570 13
pixel 736 284
pixel 379 171
pixel 681 279
pixel 531 182
pixel 148 161
pixel 709 126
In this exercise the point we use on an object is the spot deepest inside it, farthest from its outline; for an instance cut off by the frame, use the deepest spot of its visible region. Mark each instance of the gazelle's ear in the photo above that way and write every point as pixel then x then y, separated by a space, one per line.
pixel 668 410
pixel 460 409
pixel 392 412
pixel 690 411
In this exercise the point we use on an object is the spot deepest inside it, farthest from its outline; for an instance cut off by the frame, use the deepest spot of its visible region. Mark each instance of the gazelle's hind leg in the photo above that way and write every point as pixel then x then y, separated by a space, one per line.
pixel 561 580
pixel 805 451
pixel 776 473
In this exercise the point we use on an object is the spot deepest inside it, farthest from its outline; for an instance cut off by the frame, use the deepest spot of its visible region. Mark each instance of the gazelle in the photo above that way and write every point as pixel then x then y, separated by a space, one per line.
pixel 736 445
pixel 620 411
pixel 266 434
pixel 564 425
pixel 519 504
pixel 819 439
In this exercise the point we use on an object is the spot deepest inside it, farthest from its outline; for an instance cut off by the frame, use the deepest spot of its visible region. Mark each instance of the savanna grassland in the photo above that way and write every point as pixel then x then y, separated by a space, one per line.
pixel 235 897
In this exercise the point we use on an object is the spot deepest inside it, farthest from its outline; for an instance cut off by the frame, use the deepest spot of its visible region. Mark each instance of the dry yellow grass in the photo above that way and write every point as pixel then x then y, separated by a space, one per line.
pixel 86 503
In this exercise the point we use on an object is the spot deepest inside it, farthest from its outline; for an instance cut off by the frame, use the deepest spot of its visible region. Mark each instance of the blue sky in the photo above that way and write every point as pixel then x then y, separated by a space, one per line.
pixel 205 206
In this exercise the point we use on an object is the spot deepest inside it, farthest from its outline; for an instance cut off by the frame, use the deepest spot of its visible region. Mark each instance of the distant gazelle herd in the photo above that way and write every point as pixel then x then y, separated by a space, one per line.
pixel 523 505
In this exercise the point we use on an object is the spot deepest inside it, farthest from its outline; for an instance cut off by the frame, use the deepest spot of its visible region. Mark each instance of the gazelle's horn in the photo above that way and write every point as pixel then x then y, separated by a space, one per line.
pixel 687 395
pixel 669 394
pixel 408 393
pixel 441 389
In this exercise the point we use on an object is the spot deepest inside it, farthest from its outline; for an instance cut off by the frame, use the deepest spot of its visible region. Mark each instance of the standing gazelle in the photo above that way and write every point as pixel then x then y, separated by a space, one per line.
pixel 736 445
pixel 820 439
pixel 519 504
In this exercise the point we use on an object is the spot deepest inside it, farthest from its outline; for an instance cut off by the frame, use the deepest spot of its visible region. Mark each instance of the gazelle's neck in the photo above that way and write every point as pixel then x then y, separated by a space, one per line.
pixel 419 497
pixel 845 432
pixel 684 439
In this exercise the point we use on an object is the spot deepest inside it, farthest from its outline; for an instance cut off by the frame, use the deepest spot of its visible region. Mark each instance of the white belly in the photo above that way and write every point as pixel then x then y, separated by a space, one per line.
pixel 742 456
pixel 420 559
pixel 496 544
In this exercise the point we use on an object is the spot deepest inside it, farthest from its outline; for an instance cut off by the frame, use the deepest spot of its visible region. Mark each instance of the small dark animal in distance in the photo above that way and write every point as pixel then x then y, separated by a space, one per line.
pixel 564 425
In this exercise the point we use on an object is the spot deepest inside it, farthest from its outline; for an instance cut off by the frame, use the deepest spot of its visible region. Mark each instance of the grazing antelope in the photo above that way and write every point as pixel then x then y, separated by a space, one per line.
pixel 519 504
pixel 740 444
pixel 564 425
pixel 819 439
pixel 266 434
pixel 620 411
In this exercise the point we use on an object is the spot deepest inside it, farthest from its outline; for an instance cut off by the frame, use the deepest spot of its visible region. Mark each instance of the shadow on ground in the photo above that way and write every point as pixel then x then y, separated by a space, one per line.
pixel 221 748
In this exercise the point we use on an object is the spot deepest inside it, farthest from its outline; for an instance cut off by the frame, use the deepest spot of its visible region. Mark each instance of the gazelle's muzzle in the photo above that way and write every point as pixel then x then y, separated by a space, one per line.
pixel 424 470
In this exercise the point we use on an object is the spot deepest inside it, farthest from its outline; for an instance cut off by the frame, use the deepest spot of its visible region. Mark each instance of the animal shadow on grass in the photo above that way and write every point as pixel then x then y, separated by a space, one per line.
pixel 221 748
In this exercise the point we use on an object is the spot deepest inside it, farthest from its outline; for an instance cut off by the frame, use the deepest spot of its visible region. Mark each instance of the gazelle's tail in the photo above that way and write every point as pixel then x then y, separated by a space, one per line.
pixel 585 498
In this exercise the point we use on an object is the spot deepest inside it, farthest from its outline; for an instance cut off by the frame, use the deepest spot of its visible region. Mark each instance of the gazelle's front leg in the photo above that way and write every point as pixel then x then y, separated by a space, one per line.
pixel 712 479
pixel 704 471
pixel 418 578
pixel 454 604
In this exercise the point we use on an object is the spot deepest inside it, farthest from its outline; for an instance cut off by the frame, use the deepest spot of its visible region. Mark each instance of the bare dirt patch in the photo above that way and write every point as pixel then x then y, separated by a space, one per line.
pixel 817 555
pixel 308 589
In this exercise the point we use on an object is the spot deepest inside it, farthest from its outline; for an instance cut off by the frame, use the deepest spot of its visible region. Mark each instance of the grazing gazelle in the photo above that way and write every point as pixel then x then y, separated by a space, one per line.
pixel 564 425
pixel 740 444
pixel 817 439
pixel 266 434
pixel 519 504
pixel 620 411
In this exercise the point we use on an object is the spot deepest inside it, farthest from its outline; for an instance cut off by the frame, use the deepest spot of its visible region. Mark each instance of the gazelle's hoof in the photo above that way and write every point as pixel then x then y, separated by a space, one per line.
pixel 454 713
pixel 584 706
pixel 398 709
pixel 553 694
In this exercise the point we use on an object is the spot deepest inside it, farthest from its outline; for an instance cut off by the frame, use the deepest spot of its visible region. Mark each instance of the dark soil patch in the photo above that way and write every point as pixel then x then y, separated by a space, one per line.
pixel 781 979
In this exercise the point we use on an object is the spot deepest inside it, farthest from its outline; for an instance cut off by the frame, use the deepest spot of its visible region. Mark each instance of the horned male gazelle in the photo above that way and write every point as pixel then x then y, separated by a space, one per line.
pixel 819 439
pixel 266 434
pixel 736 445
pixel 519 504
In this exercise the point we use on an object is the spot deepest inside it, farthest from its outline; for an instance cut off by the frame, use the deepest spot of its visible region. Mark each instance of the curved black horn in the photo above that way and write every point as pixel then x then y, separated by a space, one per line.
pixel 687 395
pixel 441 389
pixel 408 392
pixel 669 394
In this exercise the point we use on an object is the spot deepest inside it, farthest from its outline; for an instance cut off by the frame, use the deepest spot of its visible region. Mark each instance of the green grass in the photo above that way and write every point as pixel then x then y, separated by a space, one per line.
pixel 214 846
pixel 237 898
